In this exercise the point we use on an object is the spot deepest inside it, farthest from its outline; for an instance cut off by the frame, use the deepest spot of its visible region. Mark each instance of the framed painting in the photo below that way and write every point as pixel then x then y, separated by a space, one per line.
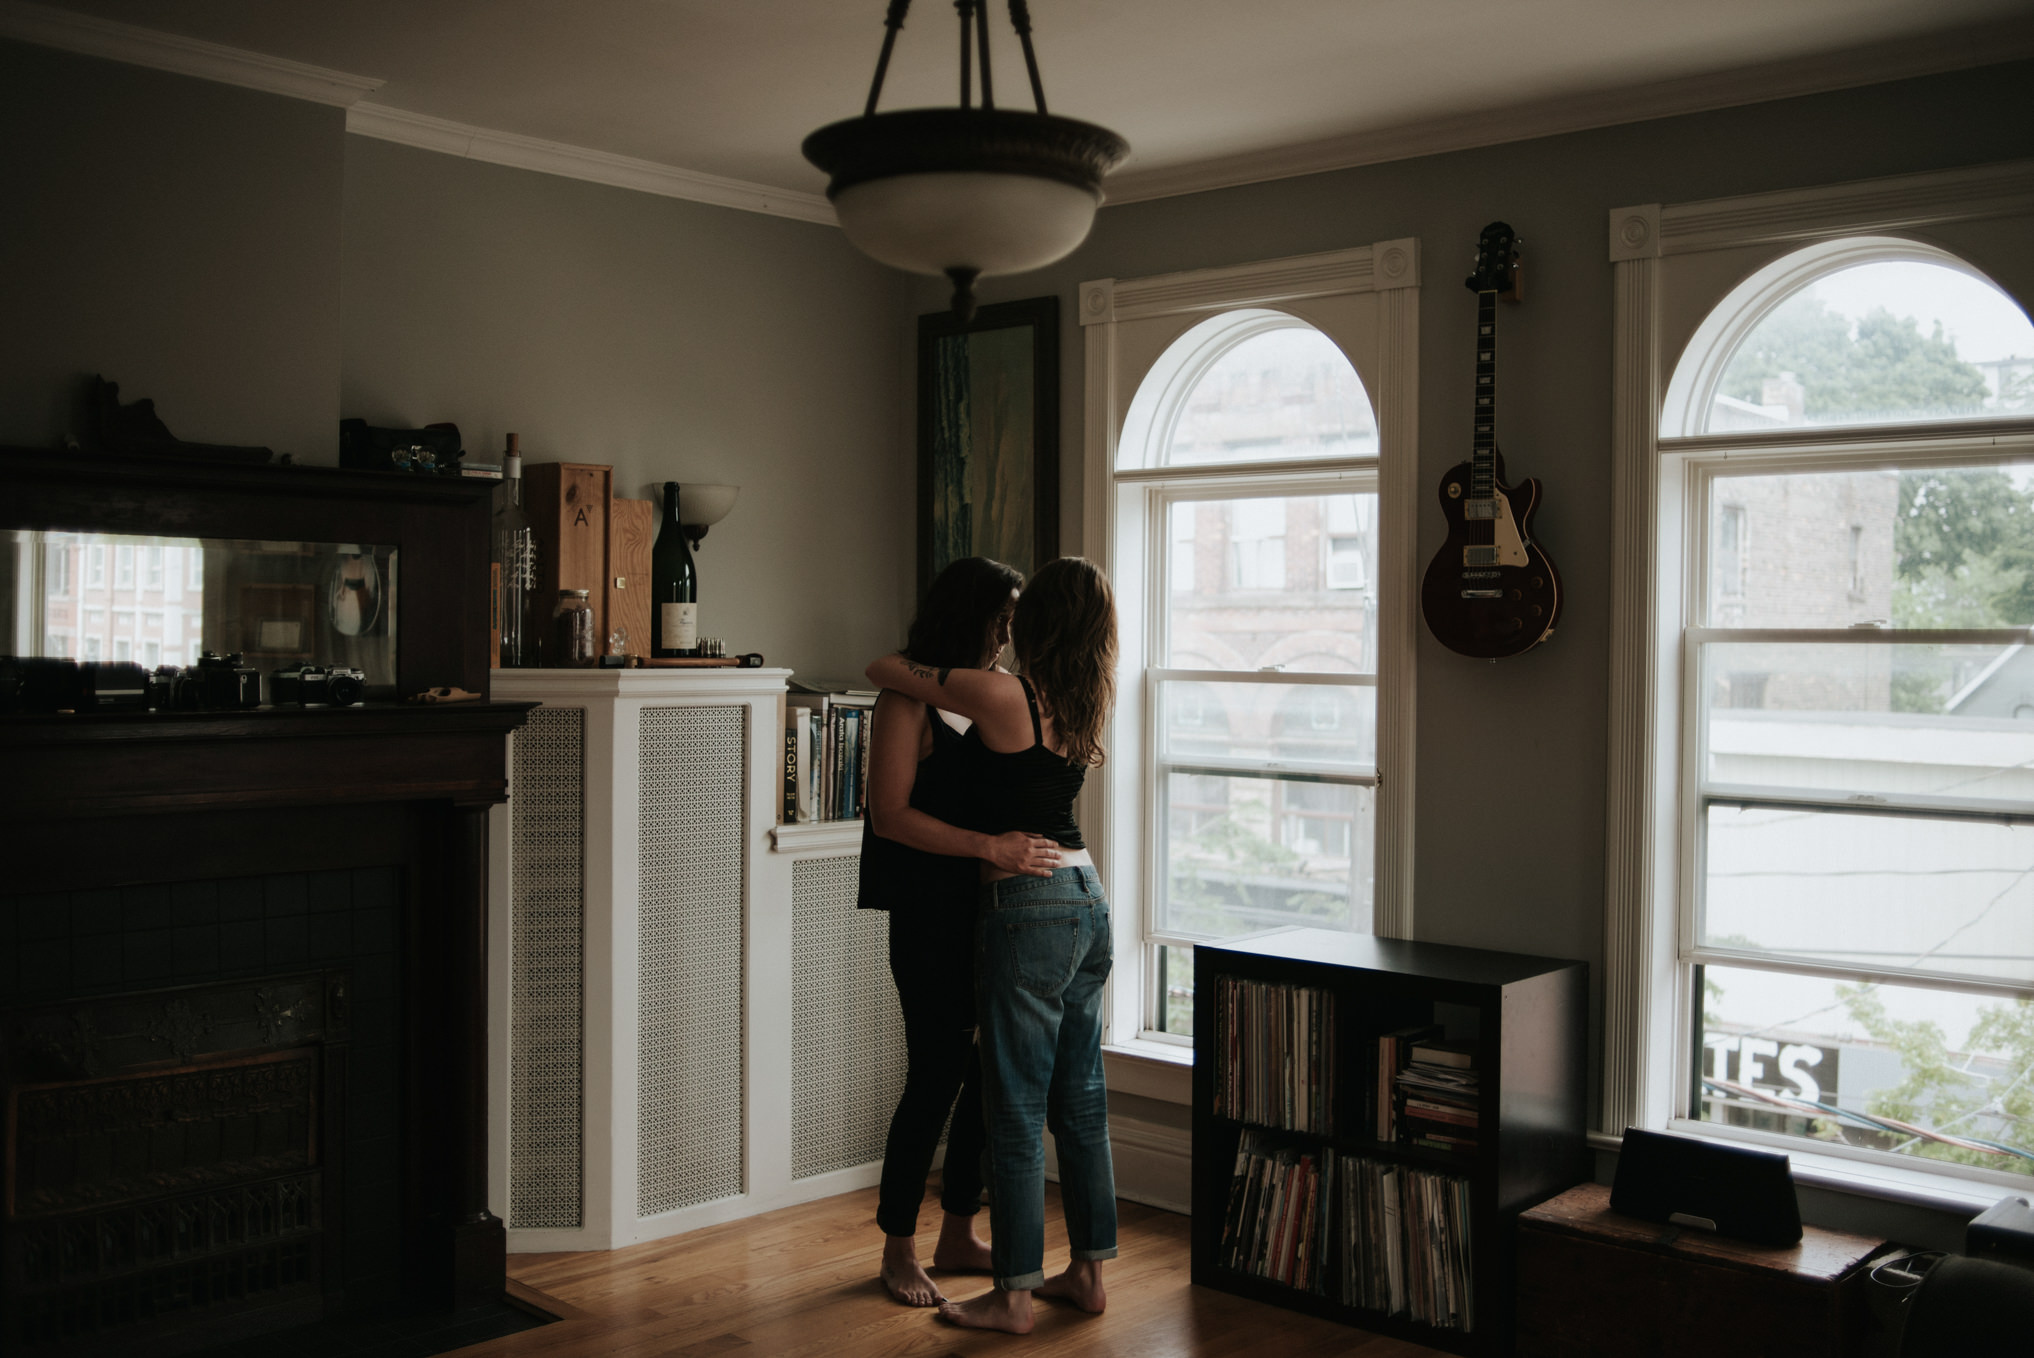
pixel 988 436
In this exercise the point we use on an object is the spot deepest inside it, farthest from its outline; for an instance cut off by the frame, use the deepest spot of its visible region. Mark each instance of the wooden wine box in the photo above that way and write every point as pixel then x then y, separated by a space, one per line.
pixel 1595 1284
pixel 632 531
pixel 587 539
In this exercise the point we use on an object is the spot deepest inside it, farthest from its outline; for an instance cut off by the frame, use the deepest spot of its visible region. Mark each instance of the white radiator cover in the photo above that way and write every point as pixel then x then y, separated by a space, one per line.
pixel 847 1032
pixel 707 1030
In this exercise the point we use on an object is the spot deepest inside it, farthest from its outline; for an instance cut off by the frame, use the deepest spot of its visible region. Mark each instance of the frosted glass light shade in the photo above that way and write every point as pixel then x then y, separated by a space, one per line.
pixel 702 506
pixel 966 219
pixel 965 191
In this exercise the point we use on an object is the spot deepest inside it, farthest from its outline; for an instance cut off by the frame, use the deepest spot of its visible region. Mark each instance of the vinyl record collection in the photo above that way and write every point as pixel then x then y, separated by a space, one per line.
pixel 1275 1055
pixel 1427 1091
pixel 1361 1232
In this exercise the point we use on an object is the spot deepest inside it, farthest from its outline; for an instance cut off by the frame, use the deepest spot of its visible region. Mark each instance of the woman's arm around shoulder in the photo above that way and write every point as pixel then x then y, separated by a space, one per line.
pixel 990 698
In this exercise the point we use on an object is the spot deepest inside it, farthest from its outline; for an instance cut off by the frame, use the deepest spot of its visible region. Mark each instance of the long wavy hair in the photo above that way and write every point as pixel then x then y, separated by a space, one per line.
pixel 1064 631
pixel 959 615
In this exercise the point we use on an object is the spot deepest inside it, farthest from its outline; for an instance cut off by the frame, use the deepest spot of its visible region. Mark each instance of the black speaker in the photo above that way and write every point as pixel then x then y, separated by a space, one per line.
pixel 1730 1190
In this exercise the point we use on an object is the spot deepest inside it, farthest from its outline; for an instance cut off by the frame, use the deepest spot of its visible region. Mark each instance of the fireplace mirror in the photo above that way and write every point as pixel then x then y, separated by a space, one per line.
pixel 164 600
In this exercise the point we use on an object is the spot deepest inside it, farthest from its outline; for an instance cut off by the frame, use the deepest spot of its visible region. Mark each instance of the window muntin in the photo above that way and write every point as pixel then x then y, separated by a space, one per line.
pixel 1857 808
pixel 1892 341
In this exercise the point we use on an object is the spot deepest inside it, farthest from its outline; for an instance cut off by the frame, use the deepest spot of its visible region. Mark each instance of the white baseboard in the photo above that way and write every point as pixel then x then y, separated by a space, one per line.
pixel 1154 1163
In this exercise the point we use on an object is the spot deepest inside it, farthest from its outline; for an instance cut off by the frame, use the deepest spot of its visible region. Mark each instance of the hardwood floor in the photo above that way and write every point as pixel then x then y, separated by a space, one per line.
pixel 802 1281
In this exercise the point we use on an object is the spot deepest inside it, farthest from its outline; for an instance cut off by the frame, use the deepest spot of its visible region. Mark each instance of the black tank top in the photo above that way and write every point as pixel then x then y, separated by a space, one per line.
pixel 898 877
pixel 1031 789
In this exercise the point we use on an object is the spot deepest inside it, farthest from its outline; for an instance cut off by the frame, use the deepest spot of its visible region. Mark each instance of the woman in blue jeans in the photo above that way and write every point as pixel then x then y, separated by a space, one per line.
pixel 1042 944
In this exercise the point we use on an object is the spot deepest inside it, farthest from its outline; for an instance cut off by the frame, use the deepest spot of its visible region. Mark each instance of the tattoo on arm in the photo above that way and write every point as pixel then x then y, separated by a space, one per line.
pixel 927 672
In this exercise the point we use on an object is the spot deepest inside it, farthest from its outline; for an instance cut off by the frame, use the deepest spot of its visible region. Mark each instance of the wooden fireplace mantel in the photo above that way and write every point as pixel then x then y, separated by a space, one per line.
pixel 101 764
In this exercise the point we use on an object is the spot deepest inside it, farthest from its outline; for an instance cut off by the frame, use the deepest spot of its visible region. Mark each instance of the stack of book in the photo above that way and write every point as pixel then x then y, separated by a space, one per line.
pixel 1275 1054
pixel 826 751
pixel 1438 1096
pixel 1362 1232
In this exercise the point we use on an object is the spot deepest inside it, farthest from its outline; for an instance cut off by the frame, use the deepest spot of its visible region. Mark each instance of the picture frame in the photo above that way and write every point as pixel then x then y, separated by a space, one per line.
pixel 988 436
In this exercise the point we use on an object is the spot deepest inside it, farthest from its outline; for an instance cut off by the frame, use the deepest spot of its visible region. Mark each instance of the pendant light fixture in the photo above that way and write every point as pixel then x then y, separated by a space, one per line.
pixel 971 190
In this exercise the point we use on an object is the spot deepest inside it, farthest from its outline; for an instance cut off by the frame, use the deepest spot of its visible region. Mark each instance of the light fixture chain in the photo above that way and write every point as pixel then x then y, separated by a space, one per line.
pixel 892 21
pixel 982 42
pixel 967 18
pixel 1020 19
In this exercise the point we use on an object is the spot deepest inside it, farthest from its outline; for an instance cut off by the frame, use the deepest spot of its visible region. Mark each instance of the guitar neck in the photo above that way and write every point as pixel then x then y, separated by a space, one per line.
pixel 1483 460
pixel 1482 500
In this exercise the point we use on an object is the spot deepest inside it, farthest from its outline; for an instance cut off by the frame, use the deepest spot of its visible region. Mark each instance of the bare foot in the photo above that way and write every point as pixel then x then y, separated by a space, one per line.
pixel 993 1310
pixel 959 1249
pixel 1081 1284
pixel 903 1276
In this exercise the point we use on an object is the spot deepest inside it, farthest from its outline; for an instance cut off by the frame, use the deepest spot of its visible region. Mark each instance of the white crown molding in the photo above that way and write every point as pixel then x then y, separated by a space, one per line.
pixel 577 162
pixel 1927 55
pixel 95 37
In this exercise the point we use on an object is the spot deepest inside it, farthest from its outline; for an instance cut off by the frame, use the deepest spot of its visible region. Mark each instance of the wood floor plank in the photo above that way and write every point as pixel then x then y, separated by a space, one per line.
pixel 801 1283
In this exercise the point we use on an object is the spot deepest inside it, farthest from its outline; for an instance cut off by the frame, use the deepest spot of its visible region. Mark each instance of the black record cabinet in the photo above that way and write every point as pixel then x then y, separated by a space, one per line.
pixel 1370 1118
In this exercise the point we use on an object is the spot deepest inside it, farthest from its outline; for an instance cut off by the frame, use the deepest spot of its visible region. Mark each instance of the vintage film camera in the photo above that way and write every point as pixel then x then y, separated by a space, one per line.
pixel 217 683
pixel 333 685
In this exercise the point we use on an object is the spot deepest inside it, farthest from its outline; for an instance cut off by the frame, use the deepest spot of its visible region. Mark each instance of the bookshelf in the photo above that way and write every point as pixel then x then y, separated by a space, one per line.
pixel 1520 1021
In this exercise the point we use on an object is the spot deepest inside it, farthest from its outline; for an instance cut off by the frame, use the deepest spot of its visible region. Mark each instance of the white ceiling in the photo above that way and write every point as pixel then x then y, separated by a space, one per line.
pixel 1206 91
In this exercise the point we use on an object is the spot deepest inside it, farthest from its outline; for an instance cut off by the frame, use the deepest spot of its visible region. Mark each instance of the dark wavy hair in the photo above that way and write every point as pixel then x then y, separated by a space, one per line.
pixel 958 616
pixel 1064 631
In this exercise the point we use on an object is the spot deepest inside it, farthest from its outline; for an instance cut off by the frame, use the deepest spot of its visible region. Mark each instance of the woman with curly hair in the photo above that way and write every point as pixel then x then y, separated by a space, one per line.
pixel 1042 944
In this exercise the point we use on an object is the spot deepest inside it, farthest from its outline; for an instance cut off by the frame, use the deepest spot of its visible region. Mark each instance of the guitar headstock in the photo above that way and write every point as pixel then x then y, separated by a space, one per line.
pixel 1496 262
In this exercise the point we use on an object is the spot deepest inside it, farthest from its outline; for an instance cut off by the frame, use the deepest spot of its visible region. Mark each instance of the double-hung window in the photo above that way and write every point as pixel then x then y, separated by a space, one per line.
pixel 1845 719
pixel 1249 529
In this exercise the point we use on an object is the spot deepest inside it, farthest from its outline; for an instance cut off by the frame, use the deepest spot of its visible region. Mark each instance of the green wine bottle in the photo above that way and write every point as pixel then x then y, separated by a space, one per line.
pixel 674 586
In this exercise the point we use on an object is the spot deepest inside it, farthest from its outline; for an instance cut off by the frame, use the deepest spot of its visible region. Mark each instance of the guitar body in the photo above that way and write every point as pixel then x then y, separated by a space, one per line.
pixel 1490 591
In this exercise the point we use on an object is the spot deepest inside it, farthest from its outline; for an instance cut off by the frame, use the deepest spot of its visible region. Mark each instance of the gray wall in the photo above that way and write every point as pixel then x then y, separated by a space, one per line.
pixel 260 274
pixel 178 237
pixel 1510 840
pixel 670 340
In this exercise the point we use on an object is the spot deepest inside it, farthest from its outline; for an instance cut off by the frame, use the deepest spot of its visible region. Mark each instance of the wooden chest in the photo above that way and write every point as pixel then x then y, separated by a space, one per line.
pixel 1593 1284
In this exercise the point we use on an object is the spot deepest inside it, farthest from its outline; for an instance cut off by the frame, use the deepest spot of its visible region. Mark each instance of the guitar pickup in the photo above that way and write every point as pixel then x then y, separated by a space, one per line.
pixel 1483 594
pixel 1480 556
pixel 1479 509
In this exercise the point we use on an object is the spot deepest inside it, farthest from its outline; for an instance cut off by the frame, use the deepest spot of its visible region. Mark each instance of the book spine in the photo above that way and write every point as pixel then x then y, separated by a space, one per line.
pixel 788 810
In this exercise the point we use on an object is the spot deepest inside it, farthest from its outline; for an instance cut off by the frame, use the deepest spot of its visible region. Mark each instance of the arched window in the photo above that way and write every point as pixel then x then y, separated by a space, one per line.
pixel 1848 435
pixel 1250 490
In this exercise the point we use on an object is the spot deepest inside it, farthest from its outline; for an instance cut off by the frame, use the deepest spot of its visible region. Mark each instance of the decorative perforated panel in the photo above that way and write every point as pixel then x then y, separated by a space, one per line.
pixel 546 929
pixel 689 959
pixel 847 1044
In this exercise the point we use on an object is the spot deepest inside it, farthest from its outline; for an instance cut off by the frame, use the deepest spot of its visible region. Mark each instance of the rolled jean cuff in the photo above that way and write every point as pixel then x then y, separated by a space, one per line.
pixel 1093 1256
pixel 965 1209
pixel 1023 1282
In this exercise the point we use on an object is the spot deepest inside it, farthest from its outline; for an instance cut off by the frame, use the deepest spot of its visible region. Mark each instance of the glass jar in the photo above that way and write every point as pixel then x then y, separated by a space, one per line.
pixel 573 645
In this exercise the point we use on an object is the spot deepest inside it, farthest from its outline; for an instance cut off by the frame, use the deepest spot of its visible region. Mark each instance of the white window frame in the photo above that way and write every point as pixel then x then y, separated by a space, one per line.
pixel 1367 301
pixel 1693 279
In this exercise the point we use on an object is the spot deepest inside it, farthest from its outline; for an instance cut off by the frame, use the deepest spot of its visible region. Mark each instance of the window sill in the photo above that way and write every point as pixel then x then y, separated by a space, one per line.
pixel 1840 1174
pixel 1150 1070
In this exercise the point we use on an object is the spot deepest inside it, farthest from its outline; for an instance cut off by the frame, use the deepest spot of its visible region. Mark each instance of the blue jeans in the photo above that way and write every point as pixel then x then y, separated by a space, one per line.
pixel 1042 952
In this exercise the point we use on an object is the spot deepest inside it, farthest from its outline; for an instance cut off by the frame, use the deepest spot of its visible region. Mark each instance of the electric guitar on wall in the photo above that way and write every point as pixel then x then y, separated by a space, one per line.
pixel 1490 592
